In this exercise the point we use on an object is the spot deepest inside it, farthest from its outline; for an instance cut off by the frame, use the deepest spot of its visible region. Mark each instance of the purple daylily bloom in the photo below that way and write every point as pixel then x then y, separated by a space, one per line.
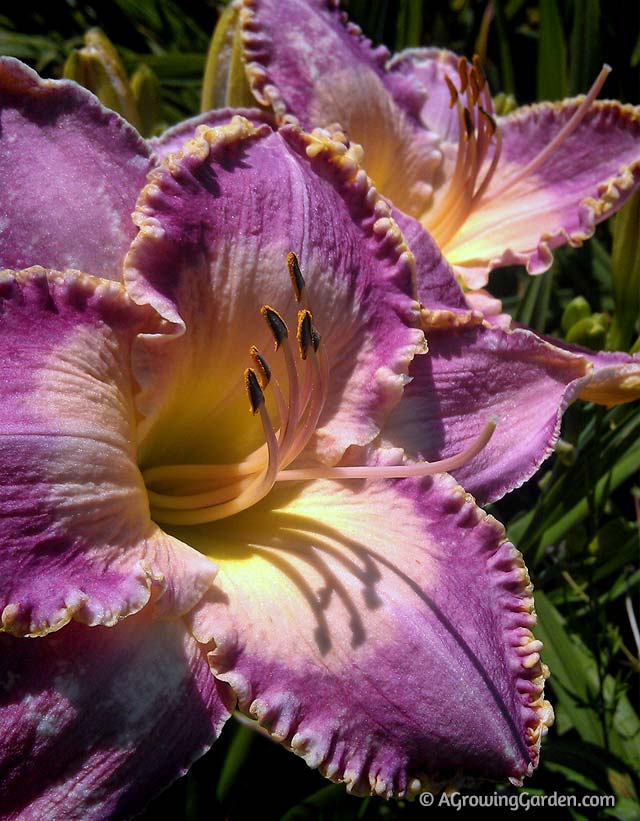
pixel 491 190
pixel 173 556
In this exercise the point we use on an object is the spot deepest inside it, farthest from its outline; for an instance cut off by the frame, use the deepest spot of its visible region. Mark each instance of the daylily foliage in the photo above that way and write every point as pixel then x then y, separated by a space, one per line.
pixel 157 546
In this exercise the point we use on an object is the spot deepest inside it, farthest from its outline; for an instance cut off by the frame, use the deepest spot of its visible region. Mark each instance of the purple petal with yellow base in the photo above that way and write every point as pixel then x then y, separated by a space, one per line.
pixel 381 630
pixel 531 207
pixel 77 538
pixel 70 172
pixel 95 721
pixel 306 60
pixel 209 255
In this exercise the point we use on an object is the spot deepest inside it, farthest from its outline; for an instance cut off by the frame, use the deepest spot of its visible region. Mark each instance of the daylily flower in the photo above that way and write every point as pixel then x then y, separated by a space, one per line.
pixel 491 190
pixel 194 521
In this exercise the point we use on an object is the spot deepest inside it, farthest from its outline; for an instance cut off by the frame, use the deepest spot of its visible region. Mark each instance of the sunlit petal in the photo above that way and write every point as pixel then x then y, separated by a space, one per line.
pixel 382 631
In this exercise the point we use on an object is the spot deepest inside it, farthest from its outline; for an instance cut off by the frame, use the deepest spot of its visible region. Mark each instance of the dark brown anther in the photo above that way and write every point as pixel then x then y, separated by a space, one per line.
pixel 254 391
pixel 492 123
pixel 315 338
pixel 463 72
pixel 468 123
pixel 276 323
pixel 482 77
pixel 261 367
pixel 305 335
pixel 453 91
pixel 297 280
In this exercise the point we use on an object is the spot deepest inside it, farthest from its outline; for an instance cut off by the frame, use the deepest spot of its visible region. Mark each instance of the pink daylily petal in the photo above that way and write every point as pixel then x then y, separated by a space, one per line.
pixel 210 254
pixel 473 372
pixel 304 59
pixel 174 138
pixel 381 630
pixel 70 172
pixel 77 539
pixel 95 721
pixel 584 181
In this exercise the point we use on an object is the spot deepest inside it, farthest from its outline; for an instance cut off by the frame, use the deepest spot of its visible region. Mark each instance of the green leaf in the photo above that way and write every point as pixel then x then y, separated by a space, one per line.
pixel 552 54
pixel 235 760
pixel 576 687
pixel 506 63
pixel 585 45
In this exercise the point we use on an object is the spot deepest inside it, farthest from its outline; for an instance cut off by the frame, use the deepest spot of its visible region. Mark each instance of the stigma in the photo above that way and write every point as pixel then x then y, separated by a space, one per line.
pixel 222 490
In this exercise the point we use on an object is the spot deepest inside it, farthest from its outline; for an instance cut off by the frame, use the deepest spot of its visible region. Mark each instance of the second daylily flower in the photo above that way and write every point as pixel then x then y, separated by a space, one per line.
pixel 491 190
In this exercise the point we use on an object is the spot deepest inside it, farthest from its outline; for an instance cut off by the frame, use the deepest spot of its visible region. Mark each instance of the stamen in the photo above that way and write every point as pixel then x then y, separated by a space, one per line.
pixel 395 471
pixel 453 91
pixel 276 323
pixel 297 280
pixel 462 71
pixel 261 367
pixel 254 391
pixel 482 77
pixel 493 126
pixel 475 85
pixel 304 334
pixel 468 123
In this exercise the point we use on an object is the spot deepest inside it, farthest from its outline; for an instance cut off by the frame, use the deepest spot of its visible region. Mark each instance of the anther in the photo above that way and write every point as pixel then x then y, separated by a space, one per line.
pixel 468 123
pixel 254 391
pixel 482 77
pixel 261 367
pixel 453 91
pixel 276 323
pixel 475 85
pixel 297 280
pixel 492 123
pixel 315 338
pixel 462 71
pixel 305 333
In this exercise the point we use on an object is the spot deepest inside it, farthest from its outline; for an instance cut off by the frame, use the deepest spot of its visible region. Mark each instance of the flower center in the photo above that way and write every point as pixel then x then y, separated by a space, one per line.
pixel 477 131
pixel 198 493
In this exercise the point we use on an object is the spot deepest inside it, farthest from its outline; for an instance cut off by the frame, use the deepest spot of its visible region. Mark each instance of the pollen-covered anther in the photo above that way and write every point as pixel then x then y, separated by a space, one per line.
pixel 254 391
pixel 297 280
pixel 260 366
pixel 276 323
pixel 305 333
